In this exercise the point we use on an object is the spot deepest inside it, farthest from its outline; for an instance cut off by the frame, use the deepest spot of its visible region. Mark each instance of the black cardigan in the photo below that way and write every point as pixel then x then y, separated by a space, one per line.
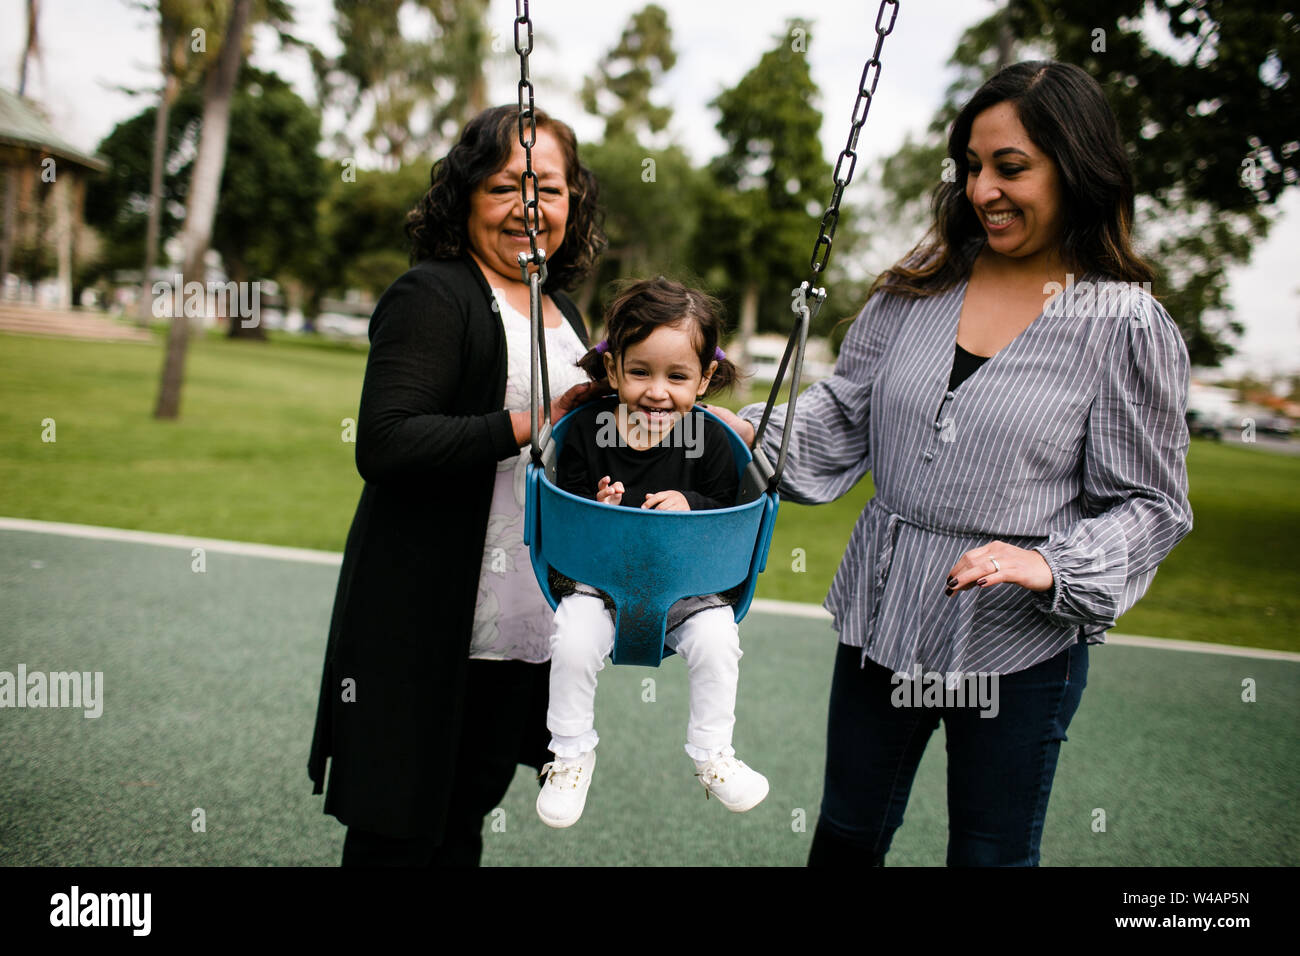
pixel 430 431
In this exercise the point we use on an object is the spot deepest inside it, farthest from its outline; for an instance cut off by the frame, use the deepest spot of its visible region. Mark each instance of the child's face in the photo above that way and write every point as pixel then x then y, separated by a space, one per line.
pixel 660 376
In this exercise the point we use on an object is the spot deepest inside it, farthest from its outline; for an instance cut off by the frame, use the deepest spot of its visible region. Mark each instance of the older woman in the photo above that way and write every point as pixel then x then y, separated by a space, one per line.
pixel 435 679
pixel 1018 395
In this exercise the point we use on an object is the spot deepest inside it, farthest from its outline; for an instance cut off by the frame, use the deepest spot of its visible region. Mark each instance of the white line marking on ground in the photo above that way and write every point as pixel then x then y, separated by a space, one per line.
pixel 762 605
pixel 815 612
pixel 791 609
pixel 1199 647
pixel 172 541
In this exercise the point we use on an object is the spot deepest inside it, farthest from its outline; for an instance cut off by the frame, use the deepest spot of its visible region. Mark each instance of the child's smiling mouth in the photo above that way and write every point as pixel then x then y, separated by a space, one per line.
pixel 656 414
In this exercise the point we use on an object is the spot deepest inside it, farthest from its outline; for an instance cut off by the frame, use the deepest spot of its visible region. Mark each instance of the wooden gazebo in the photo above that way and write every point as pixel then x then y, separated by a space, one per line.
pixel 43 182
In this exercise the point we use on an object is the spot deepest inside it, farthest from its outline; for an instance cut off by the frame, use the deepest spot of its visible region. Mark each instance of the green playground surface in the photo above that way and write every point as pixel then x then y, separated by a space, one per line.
pixel 209 690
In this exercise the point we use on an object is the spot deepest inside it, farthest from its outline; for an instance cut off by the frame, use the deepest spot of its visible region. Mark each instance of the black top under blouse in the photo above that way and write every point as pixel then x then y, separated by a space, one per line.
pixel 964 365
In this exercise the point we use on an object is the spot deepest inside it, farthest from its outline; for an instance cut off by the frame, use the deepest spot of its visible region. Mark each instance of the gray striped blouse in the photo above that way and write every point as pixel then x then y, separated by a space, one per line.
pixel 1071 441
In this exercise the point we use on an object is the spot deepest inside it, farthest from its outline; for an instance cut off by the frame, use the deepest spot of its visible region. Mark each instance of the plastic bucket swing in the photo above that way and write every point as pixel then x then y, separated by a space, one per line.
pixel 648 560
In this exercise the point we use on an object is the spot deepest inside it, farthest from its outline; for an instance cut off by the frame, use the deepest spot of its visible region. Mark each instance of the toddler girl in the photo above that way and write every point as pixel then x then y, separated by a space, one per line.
pixel 647 447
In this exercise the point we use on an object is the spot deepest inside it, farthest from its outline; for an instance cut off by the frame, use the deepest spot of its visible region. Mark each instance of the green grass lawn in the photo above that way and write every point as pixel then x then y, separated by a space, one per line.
pixel 258 455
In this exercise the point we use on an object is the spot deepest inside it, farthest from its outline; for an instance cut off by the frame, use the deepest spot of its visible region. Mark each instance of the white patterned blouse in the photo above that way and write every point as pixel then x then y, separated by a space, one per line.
pixel 512 620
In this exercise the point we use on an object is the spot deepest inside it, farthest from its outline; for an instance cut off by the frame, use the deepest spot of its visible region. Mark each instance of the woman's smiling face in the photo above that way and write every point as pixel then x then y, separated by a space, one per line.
pixel 496 209
pixel 1014 186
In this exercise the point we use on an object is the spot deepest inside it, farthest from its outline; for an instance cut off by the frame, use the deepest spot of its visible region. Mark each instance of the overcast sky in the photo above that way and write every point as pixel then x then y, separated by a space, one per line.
pixel 92 47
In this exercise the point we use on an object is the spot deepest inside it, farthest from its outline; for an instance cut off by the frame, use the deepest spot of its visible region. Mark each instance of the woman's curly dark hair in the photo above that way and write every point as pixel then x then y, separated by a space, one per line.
pixel 438 225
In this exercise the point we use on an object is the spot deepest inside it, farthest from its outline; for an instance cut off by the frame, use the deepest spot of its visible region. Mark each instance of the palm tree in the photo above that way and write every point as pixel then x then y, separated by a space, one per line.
pixel 173 38
pixel 205 184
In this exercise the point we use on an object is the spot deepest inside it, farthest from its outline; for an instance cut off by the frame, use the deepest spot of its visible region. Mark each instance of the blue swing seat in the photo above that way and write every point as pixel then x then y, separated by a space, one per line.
pixel 646 560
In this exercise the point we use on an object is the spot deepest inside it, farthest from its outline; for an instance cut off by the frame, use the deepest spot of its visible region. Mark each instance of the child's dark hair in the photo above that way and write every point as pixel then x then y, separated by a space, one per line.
pixel 642 305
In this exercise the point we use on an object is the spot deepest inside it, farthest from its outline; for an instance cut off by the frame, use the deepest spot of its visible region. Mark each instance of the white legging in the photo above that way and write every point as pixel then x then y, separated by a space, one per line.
pixel 708 642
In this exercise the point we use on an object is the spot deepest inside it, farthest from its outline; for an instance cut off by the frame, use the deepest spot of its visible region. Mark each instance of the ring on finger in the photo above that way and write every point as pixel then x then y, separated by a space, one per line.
pixel 996 567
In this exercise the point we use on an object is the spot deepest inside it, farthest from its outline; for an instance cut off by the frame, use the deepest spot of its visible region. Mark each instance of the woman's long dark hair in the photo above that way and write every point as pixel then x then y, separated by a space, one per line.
pixel 438 225
pixel 1066 115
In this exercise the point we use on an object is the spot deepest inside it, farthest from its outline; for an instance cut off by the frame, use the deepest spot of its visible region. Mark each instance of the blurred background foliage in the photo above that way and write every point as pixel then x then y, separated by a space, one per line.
pixel 1210 160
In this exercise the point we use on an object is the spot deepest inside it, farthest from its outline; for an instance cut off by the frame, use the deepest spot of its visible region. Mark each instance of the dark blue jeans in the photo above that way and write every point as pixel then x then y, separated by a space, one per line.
pixel 1000 769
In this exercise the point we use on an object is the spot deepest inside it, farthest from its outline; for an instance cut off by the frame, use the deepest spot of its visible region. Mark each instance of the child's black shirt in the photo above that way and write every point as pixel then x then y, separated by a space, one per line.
pixel 708 480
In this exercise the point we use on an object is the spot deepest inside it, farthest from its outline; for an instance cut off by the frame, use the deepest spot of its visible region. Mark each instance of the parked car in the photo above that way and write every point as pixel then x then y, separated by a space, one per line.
pixel 1201 425
pixel 1274 425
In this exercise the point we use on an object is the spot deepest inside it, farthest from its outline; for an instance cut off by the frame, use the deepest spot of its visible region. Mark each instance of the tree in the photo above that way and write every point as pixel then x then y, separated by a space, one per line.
pixel 176 19
pixel 266 222
pixel 362 242
pixel 628 73
pixel 648 194
pixel 218 92
pixel 118 203
pixel 417 92
pixel 1210 131
pixel 767 191
pixel 651 202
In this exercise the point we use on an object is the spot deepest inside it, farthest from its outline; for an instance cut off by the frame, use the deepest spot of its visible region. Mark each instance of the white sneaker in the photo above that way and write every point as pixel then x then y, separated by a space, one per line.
pixel 738 787
pixel 565 792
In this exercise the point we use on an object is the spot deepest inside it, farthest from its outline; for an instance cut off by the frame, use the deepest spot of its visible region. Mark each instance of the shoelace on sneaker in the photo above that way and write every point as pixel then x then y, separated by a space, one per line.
pixel 714 772
pixel 561 769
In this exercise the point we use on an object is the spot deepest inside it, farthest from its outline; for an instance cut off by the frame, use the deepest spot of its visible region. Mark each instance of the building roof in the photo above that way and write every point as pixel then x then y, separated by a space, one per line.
pixel 23 127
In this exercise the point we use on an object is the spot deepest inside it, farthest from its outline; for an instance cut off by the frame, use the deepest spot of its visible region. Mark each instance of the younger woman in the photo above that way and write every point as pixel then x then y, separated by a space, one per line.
pixel 647 447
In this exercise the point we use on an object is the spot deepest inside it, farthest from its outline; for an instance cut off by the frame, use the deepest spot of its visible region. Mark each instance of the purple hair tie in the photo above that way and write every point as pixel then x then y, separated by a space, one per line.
pixel 603 346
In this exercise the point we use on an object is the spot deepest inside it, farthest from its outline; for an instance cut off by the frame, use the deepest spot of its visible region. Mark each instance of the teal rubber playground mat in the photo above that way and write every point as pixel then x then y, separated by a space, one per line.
pixel 208 696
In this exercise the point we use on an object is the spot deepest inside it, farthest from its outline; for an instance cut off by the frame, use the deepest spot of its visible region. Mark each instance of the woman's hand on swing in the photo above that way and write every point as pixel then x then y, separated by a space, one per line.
pixel 578 395
pixel 666 501
pixel 521 424
pixel 738 425
pixel 609 494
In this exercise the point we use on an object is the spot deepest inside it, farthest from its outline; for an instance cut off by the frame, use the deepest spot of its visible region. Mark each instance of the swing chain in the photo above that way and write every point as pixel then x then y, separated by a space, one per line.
pixel 809 297
pixel 866 89
pixel 540 417
pixel 527 138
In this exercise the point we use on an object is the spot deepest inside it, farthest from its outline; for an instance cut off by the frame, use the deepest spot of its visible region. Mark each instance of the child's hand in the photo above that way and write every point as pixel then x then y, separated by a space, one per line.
pixel 666 501
pixel 609 494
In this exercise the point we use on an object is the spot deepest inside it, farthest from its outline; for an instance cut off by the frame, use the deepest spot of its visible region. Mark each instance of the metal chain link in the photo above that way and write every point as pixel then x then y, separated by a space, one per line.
pixel 539 416
pixel 808 298
pixel 527 137
pixel 866 89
